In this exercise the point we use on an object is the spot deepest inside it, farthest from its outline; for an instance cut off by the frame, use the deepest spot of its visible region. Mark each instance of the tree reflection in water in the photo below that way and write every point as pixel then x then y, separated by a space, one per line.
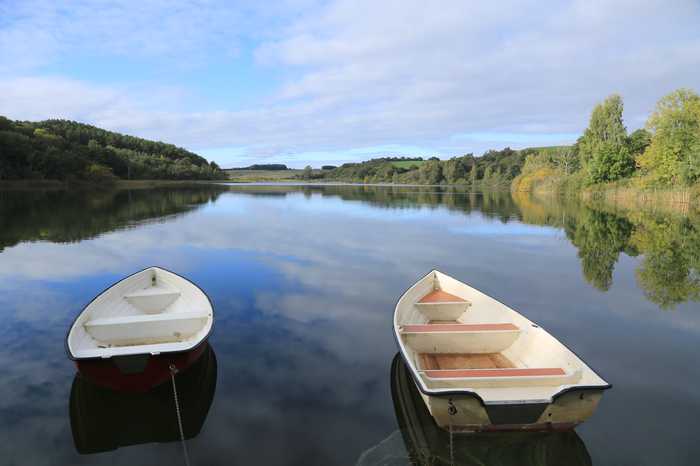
pixel 669 271
pixel 65 216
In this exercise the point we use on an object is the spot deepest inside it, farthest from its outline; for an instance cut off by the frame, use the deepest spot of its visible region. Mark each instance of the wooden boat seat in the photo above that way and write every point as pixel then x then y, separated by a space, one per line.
pixel 540 371
pixel 460 338
pixel 458 327
pixel 152 299
pixel 440 305
pixel 500 378
pixel 427 361
pixel 144 329
pixel 439 296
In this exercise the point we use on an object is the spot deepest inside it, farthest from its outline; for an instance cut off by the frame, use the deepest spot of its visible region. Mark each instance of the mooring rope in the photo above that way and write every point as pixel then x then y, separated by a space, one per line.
pixel 173 371
pixel 451 410
pixel 452 454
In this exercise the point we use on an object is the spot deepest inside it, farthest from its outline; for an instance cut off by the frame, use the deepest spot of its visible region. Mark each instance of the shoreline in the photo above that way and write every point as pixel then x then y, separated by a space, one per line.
pixel 119 184
pixel 57 184
pixel 682 201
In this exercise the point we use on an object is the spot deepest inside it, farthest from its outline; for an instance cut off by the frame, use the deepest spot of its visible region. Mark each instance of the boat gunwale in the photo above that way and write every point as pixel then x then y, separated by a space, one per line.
pixel 448 392
pixel 178 351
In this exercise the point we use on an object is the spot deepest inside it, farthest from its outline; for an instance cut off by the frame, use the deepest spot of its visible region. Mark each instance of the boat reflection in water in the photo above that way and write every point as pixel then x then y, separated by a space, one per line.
pixel 103 419
pixel 428 444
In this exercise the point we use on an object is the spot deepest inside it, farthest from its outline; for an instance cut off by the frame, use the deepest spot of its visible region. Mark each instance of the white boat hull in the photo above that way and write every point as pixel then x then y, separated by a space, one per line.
pixel 131 334
pixel 471 415
pixel 488 367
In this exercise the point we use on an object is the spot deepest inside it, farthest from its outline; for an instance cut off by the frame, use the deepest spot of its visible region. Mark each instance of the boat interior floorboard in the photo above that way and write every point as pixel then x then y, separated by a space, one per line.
pixel 464 361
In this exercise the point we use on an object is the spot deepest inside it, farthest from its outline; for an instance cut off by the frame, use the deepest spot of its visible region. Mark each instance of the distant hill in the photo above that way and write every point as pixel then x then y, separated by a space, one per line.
pixel 68 150
pixel 265 167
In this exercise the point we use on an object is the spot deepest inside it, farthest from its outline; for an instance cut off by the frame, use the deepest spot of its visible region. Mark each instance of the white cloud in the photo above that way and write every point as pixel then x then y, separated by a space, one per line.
pixel 33 98
pixel 359 74
pixel 149 28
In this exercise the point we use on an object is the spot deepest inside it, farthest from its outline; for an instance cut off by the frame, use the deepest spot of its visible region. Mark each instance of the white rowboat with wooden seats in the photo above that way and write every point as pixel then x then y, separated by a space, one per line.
pixel 480 365
pixel 142 325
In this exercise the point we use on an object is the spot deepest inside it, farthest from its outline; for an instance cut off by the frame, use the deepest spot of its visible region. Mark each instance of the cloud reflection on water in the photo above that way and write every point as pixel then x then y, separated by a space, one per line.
pixel 304 291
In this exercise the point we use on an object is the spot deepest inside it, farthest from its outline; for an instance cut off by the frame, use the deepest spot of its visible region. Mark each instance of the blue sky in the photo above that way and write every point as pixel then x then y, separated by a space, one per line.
pixel 307 81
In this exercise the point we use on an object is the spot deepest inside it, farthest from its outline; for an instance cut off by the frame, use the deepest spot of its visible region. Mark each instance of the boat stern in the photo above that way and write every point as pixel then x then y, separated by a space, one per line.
pixel 468 413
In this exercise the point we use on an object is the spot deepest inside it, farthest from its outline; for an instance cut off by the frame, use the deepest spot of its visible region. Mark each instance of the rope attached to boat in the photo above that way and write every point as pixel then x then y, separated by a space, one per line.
pixel 173 371
pixel 451 410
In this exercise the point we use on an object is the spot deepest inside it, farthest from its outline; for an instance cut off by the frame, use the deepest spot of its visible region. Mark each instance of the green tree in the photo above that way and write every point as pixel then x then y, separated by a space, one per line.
pixel 674 153
pixel 385 172
pixel 5 123
pixel 638 141
pixel 567 160
pixel 611 163
pixel 97 173
pixel 487 175
pixel 454 170
pixel 473 175
pixel 308 172
pixel 603 147
pixel 431 171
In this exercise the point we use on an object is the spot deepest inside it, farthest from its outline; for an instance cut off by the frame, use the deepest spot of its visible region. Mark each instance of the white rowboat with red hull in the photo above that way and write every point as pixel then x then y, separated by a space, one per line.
pixel 480 365
pixel 129 336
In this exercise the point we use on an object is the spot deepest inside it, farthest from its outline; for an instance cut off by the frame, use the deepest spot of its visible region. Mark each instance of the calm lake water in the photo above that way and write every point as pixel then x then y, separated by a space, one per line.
pixel 304 281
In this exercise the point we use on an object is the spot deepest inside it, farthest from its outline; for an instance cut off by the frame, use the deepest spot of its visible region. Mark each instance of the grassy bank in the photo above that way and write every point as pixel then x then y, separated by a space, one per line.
pixel 681 200
pixel 627 196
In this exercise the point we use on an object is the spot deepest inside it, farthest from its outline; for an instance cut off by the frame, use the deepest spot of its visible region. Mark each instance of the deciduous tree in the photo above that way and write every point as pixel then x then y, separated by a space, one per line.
pixel 674 153
pixel 603 148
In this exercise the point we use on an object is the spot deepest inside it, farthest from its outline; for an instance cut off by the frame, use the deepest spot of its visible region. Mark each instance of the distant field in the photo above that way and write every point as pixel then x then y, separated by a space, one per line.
pixel 408 163
pixel 262 175
pixel 548 149
pixel 265 175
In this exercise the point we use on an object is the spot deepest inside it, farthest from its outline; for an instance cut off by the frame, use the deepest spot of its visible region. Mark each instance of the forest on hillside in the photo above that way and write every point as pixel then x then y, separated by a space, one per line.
pixel 71 151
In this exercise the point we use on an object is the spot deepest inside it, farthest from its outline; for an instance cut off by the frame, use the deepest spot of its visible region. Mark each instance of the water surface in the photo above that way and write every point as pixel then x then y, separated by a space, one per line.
pixel 304 281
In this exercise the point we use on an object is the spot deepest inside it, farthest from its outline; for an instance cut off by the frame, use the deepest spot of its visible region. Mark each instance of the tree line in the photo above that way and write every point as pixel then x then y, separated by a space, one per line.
pixel 71 151
pixel 665 153
pixel 494 169
pixel 263 167
pixel 68 215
